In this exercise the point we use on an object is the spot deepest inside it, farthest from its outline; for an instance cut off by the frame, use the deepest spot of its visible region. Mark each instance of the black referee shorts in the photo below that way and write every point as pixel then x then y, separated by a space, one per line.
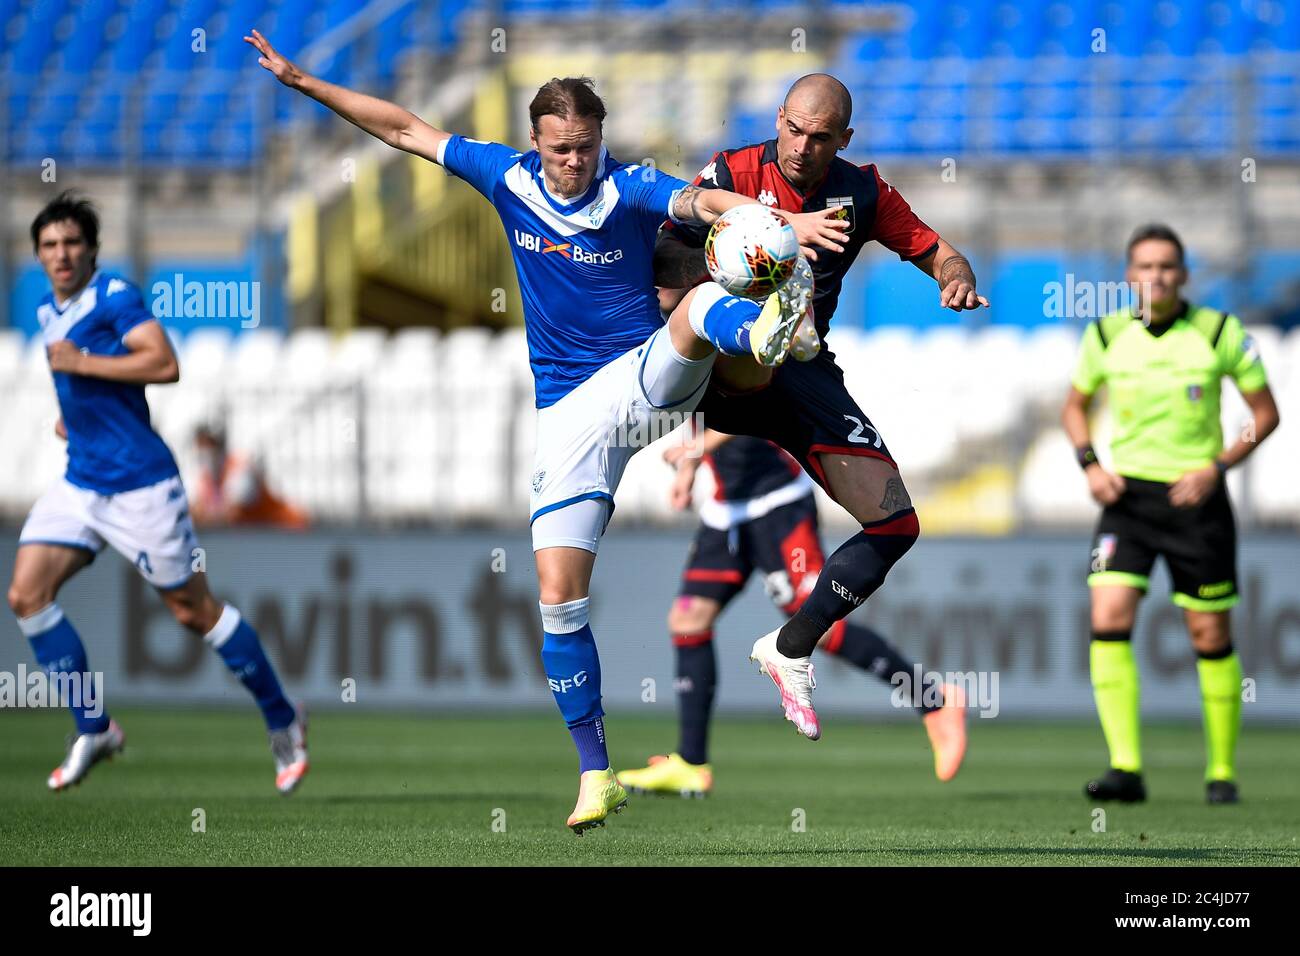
pixel 1198 544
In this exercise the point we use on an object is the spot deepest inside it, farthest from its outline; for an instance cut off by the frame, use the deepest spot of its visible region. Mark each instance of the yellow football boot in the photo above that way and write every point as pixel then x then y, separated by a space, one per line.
pixel 599 793
pixel 773 332
pixel 669 774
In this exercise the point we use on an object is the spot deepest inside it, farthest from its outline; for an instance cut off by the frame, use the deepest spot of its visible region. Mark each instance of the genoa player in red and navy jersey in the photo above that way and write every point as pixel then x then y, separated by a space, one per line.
pixel 804 406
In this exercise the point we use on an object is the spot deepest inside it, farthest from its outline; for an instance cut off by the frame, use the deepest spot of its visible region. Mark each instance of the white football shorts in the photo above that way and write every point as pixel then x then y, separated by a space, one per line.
pixel 149 526
pixel 586 439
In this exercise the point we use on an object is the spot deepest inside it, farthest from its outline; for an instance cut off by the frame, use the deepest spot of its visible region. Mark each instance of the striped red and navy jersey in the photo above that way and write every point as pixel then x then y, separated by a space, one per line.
pixel 746 468
pixel 874 210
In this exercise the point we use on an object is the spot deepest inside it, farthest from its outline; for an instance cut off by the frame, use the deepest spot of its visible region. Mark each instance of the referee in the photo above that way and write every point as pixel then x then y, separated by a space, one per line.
pixel 1163 365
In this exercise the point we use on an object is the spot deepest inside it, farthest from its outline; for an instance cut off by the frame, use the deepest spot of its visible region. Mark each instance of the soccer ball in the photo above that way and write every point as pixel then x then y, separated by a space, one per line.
pixel 751 251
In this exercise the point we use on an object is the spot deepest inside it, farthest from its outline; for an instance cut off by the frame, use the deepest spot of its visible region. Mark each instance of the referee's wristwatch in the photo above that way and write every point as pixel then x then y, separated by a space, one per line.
pixel 1222 467
pixel 1085 456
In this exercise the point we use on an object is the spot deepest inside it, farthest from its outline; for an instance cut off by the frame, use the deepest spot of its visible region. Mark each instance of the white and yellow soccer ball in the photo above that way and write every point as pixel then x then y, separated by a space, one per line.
pixel 751 251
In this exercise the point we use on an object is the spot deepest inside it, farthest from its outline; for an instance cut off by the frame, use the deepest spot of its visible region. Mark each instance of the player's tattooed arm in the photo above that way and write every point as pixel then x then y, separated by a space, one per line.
pixel 677 265
pixel 955 276
pixel 398 127
pixel 820 229
pixel 956 267
pixel 686 205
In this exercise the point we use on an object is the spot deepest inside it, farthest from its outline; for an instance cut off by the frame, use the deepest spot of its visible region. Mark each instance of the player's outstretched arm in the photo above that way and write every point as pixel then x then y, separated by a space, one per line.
pixel 813 229
pixel 956 278
pixel 386 121
pixel 150 360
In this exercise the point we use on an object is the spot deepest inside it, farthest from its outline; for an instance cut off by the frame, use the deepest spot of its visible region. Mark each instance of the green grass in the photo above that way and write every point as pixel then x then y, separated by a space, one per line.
pixel 409 789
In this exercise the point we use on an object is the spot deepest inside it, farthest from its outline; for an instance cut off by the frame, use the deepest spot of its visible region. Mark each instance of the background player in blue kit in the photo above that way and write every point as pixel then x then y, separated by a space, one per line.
pixel 763 518
pixel 582 229
pixel 122 488
pixel 806 408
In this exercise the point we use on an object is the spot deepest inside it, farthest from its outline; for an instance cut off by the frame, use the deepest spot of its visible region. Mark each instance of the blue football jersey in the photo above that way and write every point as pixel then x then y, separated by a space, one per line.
pixel 585 267
pixel 112 447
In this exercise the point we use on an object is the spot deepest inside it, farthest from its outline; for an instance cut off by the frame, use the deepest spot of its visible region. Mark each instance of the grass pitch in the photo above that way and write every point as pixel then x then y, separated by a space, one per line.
pixel 429 790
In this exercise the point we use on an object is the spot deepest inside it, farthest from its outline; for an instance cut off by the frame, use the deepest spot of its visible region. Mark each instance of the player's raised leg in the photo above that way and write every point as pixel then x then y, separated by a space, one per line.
pixel 1115 684
pixel 40 570
pixel 224 629
pixel 708 315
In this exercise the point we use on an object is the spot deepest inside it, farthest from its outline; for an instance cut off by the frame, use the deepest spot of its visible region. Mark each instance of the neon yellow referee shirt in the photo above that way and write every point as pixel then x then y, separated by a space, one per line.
pixel 1164 386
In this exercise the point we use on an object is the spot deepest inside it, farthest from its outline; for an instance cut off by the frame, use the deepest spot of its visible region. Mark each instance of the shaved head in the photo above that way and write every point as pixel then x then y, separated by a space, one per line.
pixel 821 95
pixel 812 125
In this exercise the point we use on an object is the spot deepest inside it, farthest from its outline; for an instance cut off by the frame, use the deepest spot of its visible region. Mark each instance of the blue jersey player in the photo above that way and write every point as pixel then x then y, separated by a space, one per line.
pixel 121 488
pixel 582 228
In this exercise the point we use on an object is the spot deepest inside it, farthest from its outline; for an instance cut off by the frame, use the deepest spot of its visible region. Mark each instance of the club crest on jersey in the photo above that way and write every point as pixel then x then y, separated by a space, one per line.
pixel 843 206
pixel 538 480
pixel 1194 393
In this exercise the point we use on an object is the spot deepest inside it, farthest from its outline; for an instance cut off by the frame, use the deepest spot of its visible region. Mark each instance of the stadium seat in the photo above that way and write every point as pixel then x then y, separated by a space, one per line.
pixel 1052 491
pixel 12 345
pixel 358 355
pixel 1048 360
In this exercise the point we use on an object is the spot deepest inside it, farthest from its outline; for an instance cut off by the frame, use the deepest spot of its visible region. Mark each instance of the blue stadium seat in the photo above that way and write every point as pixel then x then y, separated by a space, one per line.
pixel 96 143
pixel 1230 28
pixel 35 44
pixel 1068 26
pixel 193 141
pixel 1014 78
pixel 40 138
pixel 1187 33
pixel 18 98
pixel 8 9
pixel 1023 27
pixel 137 41
pixel 86 42
pixel 1286 34
pixel 393 35
pixel 228 50
pixel 545 8
pixel 926 29
pixel 1128 28
pixel 288 26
